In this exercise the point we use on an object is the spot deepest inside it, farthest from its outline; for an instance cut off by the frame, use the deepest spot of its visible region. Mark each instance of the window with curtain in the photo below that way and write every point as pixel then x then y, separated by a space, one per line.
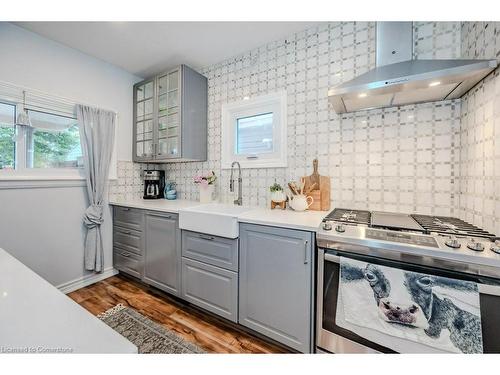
pixel 47 140
pixel 53 141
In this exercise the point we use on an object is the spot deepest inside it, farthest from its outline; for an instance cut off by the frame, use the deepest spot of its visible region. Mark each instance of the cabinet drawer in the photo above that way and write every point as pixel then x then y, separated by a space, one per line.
pixel 217 251
pixel 128 217
pixel 211 288
pixel 128 239
pixel 127 262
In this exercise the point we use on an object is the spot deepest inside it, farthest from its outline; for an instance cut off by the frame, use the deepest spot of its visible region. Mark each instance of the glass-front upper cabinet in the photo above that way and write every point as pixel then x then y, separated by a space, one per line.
pixel 144 98
pixel 170 117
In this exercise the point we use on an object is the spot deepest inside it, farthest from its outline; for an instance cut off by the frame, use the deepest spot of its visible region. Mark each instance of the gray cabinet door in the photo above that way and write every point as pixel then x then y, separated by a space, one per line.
pixel 162 252
pixel 170 117
pixel 144 121
pixel 212 288
pixel 275 290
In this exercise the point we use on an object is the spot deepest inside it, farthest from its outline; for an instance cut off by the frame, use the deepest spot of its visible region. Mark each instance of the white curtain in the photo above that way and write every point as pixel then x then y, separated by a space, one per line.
pixel 97 132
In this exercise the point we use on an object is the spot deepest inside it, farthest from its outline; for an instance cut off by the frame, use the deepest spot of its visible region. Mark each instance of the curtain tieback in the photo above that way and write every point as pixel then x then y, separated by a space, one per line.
pixel 93 216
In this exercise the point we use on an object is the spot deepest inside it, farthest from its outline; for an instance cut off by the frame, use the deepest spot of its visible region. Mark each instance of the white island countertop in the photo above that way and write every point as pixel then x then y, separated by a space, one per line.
pixel 306 220
pixel 35 317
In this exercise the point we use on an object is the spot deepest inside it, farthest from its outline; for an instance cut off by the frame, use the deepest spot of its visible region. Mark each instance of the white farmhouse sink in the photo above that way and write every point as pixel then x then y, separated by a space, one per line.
pixel 213 218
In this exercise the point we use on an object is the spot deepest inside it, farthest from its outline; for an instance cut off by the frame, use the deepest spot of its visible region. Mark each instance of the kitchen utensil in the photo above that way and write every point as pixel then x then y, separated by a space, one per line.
pixel 310 188
pixel 293 188
pixel 318 187
pixel 314 178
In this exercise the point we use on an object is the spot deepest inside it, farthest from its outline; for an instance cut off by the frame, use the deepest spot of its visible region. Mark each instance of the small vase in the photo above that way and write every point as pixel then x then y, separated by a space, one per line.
pixel 206 193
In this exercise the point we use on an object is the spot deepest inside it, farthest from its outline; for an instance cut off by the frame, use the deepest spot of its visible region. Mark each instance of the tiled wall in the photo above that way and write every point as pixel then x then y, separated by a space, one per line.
pixel 480 132
pixel 399 159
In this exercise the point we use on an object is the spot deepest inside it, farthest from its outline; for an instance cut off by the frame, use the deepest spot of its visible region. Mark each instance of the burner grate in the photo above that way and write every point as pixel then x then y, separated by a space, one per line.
pixel 450 225
pixel 349 216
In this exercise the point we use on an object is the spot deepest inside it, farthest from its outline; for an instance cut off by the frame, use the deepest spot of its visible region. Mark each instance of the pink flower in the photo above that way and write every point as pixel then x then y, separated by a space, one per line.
pixel 205 180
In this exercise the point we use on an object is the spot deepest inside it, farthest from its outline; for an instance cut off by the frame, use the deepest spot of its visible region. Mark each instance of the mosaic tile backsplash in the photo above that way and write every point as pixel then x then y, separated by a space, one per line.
pixel 480 132
pixel 405 159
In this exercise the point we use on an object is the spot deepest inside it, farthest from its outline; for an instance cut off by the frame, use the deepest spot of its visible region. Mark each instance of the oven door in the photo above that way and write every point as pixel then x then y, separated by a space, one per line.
pixel 334 339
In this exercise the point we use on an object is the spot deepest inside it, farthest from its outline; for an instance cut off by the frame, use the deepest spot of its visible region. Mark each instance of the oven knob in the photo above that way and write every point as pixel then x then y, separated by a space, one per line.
pixel 496 247
pixel 453 243
pixel 340 228
pixel 327 225
pixel 474 245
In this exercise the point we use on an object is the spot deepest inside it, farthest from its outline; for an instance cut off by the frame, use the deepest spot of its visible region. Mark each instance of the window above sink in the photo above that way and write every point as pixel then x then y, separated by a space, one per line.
pixel 254 132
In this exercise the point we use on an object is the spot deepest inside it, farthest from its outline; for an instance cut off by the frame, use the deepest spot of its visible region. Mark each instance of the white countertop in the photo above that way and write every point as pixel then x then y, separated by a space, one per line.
pixel 35 317
pixel 163 205
pixel 306 220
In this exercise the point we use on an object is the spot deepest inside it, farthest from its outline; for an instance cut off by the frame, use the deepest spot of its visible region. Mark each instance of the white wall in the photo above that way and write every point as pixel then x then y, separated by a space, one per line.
pixel 42 227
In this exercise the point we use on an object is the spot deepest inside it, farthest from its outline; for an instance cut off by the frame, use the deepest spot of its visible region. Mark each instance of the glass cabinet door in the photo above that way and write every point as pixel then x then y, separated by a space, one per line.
pixel 168 115
pixel 144 113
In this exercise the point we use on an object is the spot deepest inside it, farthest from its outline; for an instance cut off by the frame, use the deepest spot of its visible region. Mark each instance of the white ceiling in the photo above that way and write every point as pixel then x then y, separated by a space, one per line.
pixel 146 48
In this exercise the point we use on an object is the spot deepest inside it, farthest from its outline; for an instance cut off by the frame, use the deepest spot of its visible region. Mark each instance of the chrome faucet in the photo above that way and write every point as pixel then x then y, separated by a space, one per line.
pixel 238 201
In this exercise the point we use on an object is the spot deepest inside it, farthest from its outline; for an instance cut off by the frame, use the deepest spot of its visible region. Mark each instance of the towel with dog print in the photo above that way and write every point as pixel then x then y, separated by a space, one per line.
pixel 432 311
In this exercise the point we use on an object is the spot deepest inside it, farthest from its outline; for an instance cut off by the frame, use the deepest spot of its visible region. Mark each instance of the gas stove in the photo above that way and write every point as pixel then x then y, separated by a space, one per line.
pixel 397 235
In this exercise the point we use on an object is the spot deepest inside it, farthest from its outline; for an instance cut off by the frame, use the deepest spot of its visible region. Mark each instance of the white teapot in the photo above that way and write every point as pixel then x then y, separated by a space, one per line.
pixel 300 202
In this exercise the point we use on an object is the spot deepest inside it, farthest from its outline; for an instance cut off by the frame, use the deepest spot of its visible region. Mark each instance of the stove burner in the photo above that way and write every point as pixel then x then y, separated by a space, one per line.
pixel 450 225
pixel 349 216
pixel 425 224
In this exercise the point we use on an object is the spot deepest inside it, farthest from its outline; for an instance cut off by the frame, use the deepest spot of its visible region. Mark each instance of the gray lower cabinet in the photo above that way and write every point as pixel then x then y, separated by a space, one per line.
pixel 127 262
pixel 147 245
pixel 127 217
pixel 210 273
pixel 276 284
pixel 213 288
pixel 217 251
pixel 162 252
pixel 267 285
pixel 128 240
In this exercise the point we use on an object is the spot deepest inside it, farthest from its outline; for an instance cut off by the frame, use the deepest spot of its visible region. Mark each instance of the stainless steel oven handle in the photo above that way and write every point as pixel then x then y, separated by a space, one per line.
pixel 490 290
pixel 486 289
pixel 332 258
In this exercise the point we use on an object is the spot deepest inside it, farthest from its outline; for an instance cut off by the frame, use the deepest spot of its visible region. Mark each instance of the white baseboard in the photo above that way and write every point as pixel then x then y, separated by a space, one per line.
pixel 81 282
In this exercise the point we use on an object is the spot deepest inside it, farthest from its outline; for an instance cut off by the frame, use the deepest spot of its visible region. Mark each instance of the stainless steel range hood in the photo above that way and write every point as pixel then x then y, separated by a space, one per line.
pixel 399 80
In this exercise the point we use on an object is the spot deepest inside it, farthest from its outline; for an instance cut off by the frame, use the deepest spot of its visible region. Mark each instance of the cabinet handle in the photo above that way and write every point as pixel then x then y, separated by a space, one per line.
pixel 126 255
pixel 209 238
pixel 125 209
pixel 306 258
pixel 162 216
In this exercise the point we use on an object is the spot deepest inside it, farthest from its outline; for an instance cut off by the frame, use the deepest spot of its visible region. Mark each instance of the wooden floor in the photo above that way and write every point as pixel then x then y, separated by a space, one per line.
pixel 211 333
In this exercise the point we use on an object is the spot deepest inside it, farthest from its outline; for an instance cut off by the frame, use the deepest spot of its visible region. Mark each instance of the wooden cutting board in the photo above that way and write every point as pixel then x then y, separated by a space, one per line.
pixel 321 191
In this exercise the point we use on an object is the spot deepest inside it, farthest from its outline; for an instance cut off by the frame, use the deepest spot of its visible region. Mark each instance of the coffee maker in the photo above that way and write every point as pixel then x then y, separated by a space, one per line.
pixel 154 184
